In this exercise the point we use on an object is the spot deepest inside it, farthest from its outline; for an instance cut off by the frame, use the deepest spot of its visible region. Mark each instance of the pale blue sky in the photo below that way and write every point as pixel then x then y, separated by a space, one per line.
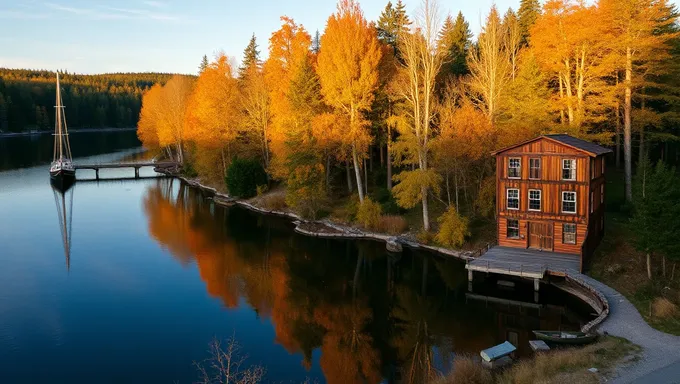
pixel 94 36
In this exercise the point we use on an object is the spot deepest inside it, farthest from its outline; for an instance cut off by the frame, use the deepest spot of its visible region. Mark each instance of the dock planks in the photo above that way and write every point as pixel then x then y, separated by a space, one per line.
pixel 527 263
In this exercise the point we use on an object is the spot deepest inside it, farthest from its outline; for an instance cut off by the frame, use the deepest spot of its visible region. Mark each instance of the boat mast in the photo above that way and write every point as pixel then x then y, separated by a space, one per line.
pixel 59 133
pixel 60 130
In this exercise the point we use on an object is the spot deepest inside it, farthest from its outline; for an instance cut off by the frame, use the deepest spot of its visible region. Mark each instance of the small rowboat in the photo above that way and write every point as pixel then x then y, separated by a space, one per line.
pixel 565 337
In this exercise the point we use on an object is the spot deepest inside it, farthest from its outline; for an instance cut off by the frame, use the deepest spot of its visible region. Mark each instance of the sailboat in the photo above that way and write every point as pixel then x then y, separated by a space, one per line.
pixel 62 171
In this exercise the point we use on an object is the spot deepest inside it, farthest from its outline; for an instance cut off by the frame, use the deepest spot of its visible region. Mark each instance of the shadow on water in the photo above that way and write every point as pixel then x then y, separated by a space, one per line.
pixel 63 200
pixel 371 315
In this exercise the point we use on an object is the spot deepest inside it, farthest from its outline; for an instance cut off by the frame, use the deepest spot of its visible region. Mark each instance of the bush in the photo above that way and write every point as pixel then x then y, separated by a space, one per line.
pixel 466 371
pixel 393 224
pixel 664 308
pixel 368 214
pixel 243 177
pixel 274 201
pixel 453 228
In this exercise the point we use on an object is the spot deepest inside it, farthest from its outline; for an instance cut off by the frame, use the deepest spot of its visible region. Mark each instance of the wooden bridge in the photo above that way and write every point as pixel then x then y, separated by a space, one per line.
pixel 158 166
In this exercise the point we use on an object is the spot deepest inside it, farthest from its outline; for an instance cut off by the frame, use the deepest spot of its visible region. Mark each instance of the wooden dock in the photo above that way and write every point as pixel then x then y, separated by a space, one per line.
pixel 164 165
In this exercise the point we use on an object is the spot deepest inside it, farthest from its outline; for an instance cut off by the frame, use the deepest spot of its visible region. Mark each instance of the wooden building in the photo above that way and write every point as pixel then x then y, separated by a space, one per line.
pixel 550 195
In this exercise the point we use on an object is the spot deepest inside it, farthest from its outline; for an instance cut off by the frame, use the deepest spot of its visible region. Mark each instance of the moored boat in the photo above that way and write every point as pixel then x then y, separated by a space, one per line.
pixel 62 170
pixel 565 337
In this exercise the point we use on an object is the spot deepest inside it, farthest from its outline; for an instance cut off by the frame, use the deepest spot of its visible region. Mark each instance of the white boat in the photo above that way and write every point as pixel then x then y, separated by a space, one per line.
pixel 62 170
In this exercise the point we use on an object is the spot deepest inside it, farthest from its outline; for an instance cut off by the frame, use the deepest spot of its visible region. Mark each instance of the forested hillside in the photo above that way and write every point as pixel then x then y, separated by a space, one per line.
pixel 27 98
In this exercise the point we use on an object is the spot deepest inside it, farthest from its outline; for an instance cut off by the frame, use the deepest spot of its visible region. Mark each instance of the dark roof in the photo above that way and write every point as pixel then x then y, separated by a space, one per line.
pixel 591 149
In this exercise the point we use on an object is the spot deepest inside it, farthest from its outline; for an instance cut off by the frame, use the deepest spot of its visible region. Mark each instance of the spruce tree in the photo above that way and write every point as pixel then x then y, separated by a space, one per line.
pixel 316 43
pixel 393 21
pixel 204 64
pixel 529 10
pixel 456 38
pixel 251 58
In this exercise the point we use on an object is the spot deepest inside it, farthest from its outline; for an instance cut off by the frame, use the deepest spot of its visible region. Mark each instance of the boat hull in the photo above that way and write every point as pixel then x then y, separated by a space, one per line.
pixel 555 337
pixel 63 179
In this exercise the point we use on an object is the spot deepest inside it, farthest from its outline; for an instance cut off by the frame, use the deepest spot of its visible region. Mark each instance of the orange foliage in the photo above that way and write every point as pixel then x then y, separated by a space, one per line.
pixel 146 128
pixel 212 120
pixel 288 48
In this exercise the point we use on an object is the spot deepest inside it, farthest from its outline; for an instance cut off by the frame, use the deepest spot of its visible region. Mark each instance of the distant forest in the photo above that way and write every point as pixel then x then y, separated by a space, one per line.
pixel 113 100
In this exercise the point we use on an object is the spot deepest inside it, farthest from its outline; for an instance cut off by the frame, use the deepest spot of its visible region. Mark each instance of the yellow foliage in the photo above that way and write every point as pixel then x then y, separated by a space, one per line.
pixel 408 192
pixel 486 199
pixel 148 117
pixel 369 214
pixel 453 228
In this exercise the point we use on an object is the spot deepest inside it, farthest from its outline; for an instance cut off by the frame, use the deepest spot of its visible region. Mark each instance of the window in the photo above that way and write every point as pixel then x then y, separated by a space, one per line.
pixel 534 199
pixel 568 169
pixel 535 168
pixel 515 168
pixel 513 198
pixel 569 234
pixel 513 229
pixel 601 193
pixel 569 202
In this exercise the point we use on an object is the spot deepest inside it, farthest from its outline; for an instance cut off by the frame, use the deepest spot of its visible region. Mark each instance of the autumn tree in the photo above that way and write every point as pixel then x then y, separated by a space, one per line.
pixel 256 107
pixel 529 11
pixel 288 48
pixel 149 116
pixel 456 38
pixel 568 40
pixel 203 65
pixel 348 73
pixel 513 39
pixel 174 103
pixel 490 67
pixel 638 47
pixel 422 61
pixel 213 116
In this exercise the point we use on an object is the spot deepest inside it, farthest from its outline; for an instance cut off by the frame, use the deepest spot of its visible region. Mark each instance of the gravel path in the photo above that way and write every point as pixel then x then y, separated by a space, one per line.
pixel 660 362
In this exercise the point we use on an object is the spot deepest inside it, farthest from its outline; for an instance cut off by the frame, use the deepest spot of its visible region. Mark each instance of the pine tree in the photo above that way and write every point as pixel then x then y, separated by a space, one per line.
pixel 316 43
pixel 529 10
pixel 392 22
pixel 204 64
pixel 4 122
pixel 251 58
pixel 456 39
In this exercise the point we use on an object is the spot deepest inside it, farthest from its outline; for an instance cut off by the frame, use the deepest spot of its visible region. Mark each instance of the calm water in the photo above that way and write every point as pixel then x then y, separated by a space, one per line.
pixel 155 272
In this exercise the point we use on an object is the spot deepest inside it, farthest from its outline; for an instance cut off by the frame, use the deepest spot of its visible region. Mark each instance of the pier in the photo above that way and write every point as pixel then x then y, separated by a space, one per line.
pixel 159 166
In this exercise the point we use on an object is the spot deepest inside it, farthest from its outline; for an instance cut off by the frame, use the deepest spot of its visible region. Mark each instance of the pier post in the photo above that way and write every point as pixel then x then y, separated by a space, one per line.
pixel 136 172
pixel 469 280
pixel 96 173
pixel 537 284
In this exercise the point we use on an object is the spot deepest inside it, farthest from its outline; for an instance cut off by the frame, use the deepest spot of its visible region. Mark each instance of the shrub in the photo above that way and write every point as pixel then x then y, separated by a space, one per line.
pixel 262 189
pixel 466 371
pixel 368 214
pixel 424 237
pixel 664 308
pixel 387 201
pixel 306 192
pixel 274 202
pixel 453 228
pixel 393 224
pixel 243 177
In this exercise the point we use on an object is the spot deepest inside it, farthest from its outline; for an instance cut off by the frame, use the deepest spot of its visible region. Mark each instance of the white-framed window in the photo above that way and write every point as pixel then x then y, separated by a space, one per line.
pixel 568 169
pixel 534 199
pixel 514 168
pixel 512 230
pixel 513 198
pixel 568 202
pixel 535 168
pixel 569 233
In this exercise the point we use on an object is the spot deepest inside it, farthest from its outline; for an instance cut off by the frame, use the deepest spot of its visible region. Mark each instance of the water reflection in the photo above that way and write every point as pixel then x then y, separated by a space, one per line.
pixel 373 316
pixel 63 200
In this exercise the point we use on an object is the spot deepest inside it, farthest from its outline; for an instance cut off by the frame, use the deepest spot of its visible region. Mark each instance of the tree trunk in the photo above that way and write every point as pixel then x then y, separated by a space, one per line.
pixel 370 158
pixel 426 213
pixel 328 173
pixel 365 178
pixel 382 156
pixel 649 265
pixel 357 173
pixel 448 190
pixel 618 135
pixel 455 180
pixel 350 187
pixel 389 162
pixel 627 156
pixel 641 154
pixel 224 163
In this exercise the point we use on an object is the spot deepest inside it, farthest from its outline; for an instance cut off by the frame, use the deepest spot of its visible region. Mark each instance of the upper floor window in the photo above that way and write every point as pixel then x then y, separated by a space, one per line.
pixel 568 169
pixel 568 202
pixel 534 199
pixel 512 230
pixel 513 198
pixel 569 233
pixel 515 168
pixel 535 168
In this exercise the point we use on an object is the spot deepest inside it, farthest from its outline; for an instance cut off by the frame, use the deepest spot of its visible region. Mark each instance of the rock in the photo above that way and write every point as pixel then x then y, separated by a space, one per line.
pixel 393 245
pixel 593 370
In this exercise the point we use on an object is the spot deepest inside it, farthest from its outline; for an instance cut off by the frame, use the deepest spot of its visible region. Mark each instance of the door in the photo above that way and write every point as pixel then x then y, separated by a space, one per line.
pixel 541 236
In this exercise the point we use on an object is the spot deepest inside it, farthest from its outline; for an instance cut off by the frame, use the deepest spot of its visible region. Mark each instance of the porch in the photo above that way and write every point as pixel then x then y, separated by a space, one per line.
pixel 527 263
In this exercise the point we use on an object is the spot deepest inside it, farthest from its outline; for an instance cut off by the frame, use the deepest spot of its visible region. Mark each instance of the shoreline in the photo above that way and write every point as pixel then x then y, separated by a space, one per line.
pixel 81 130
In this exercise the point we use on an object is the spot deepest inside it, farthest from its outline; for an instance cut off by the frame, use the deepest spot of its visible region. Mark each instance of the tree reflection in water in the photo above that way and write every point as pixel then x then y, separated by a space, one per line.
pixel 373 316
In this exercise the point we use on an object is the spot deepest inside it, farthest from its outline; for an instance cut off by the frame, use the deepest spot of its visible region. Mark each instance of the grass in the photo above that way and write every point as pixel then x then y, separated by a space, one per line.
pixel 618 264
pixel 569 365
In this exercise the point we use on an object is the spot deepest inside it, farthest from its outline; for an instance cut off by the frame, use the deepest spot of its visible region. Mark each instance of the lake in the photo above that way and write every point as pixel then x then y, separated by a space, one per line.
pixel 130 281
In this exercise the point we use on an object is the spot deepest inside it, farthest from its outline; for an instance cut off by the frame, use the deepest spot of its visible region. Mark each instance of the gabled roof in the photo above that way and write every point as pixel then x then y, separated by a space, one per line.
pixel 589 148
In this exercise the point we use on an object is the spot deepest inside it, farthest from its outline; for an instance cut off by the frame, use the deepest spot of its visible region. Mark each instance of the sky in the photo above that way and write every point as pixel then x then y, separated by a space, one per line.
pixel 98 36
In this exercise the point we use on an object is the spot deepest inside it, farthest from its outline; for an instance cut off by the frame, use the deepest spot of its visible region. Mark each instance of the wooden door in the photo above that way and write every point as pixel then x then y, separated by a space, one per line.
pixel 541 236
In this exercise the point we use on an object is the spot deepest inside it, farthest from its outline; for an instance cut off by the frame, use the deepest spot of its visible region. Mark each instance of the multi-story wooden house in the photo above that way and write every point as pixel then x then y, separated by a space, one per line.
pixel 550 195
